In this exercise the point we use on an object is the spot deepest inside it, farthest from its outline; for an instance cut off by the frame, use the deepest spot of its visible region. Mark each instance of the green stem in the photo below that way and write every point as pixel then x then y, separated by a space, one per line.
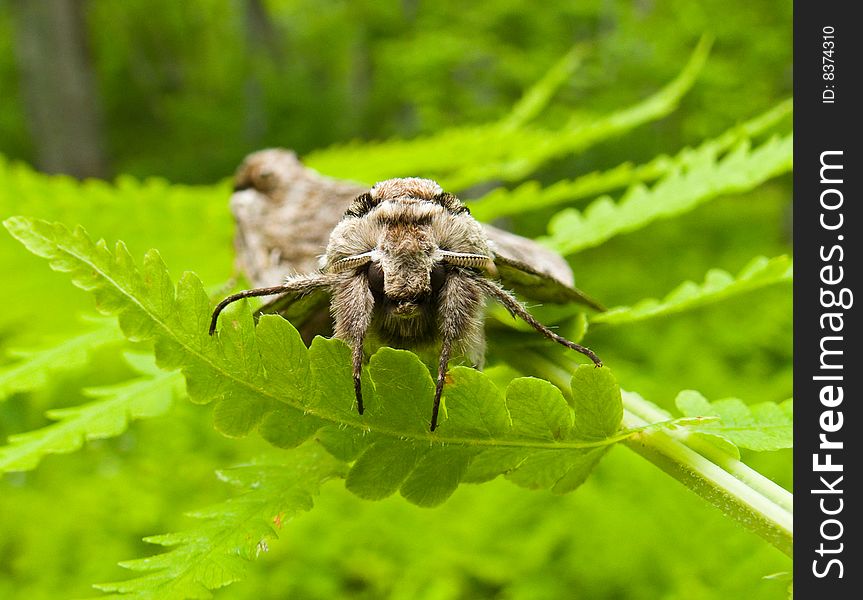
pixel 740 470
pixel 738 498
pixel 738 491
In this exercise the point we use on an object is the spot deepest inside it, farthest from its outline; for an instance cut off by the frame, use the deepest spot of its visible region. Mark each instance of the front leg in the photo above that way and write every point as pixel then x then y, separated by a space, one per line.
pixel 351 307
pixel 515 308
pixel 460 304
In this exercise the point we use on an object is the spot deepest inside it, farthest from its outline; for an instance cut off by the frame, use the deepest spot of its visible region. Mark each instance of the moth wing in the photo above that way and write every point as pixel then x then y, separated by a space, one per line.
pixel 533 270
pixel 284 214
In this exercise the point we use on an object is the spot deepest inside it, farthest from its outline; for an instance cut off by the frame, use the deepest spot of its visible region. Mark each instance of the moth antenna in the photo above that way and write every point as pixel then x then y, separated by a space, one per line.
pixel 516 309
pixel 446 348
pixel 476 261
pixel 350 262
pixel 299 285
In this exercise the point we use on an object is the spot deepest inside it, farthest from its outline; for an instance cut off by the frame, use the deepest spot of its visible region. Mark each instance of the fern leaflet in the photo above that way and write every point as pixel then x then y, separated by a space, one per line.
pixel 539 95
pixel 761 427
pixel 217 551
pixel 718 285
pixel 108 416
pixel 36 366
pixel 461 157
pixel 530 196
pixel 742 169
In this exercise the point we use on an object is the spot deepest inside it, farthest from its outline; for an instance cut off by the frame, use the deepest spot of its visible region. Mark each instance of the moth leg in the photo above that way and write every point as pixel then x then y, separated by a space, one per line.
pixel 300 284
pixel 516 309
pixel 351 307
pixel 460 307
pixel 446 349
pixel 357 369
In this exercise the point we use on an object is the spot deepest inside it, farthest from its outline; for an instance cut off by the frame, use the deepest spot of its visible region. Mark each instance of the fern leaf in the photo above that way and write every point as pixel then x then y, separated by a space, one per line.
pixel 530 196
pixel 264 378
pixel 217 551
pixel 761 427
pixel 538 96
pixel 461 157
pixel 526 156
pixel 718 285
pixel 742 169
pixel 36 366
pixel 106 417
pixel 199 235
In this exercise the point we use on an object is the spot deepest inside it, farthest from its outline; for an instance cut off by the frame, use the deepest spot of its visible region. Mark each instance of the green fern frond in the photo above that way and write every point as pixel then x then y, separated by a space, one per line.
pixel 109 416
pixel 525 156
pixel 23 189
pixel 217 551
pixel 530 196
pixel 718 285
pixel 744 168
pixel 461 157
pixel 37 365
pixel 264 378
pixel 537 97
pixel 762 427
pixel 199 233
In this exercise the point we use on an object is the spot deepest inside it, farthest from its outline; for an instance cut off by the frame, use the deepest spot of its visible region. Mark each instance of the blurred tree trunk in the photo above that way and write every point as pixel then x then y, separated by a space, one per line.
pixel 262 44
pixel 59 87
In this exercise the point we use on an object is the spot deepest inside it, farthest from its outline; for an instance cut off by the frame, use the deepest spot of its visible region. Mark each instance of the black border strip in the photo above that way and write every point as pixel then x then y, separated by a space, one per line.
pixel 827 260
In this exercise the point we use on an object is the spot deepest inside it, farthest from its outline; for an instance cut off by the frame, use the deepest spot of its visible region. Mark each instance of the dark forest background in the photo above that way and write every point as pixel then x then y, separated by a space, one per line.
pixel 184 89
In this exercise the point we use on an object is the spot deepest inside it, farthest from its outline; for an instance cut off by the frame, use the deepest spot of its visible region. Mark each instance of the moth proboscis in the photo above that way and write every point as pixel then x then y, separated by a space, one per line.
pixel 404 262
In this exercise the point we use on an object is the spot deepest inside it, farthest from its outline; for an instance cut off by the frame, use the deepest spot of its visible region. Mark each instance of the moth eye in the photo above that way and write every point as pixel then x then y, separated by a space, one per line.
pixel 438 277
pixel 375 276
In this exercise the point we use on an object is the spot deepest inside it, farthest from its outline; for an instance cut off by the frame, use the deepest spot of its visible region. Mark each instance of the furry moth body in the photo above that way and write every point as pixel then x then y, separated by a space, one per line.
pixel 407 262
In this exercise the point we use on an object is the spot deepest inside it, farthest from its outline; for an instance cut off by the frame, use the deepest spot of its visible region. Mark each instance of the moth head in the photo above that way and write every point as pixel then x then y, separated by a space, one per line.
pixel 407 235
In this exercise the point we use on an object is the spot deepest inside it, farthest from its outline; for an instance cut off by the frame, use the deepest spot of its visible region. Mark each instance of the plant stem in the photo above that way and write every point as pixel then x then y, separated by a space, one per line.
pixel 776 493
pixel 738 491
pixel 739 498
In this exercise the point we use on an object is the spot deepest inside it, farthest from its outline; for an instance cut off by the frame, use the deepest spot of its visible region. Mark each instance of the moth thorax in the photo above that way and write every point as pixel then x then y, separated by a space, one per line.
pixel 406 187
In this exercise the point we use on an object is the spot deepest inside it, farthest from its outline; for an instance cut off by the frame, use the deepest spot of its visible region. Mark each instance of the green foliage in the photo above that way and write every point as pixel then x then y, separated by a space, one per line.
pixel 460 158
pixel 199 85
pixel 705 178
pixel 187 223
pixel 530 196
pixel 762 426
pixel 217 551
pixel 108 416
pixel 36 366
pixel 718 285
pixel 262 378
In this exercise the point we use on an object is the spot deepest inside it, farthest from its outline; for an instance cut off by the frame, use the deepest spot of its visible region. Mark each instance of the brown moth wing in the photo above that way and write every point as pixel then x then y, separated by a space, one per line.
pixel 284 213
pixel 533 270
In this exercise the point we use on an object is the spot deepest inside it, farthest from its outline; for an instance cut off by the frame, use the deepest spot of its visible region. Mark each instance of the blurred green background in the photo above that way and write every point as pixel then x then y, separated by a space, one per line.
pixel 181 91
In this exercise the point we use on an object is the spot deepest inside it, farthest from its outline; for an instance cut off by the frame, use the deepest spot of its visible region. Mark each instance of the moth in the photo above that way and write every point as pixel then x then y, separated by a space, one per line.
pixel 404 263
